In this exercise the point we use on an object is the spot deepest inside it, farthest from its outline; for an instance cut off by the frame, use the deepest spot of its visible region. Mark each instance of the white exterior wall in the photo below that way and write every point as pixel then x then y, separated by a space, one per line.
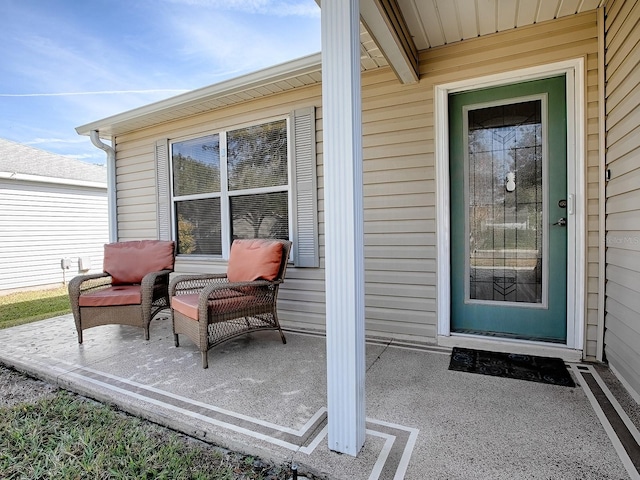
pixel 42 223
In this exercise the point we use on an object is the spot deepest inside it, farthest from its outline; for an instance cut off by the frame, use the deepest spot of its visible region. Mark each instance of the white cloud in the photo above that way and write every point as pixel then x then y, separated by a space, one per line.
pixel 61 69
pixel 280 8
pixel 39 141
pixel 104 92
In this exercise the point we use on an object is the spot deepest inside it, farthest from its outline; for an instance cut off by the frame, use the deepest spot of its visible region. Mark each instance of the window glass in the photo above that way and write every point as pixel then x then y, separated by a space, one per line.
pixel 264 215
pixel 196 166
pixel 198 229
pixel 254 196
pixel 257 156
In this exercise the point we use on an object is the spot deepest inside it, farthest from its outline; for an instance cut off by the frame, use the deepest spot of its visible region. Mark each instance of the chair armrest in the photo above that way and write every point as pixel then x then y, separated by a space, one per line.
pixel 154 287
pixel 83 283
pixel 188 284
pixel 150 279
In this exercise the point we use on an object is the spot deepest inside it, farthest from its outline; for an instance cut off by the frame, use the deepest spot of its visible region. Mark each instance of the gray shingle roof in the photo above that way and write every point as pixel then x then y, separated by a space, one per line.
pixel 18 158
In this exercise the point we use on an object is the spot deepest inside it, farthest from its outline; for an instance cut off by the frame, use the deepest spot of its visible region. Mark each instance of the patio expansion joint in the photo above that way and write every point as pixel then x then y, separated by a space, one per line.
pixel 174 411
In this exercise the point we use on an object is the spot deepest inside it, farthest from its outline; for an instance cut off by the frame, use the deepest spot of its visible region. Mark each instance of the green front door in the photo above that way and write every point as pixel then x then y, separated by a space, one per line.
pixel 508 177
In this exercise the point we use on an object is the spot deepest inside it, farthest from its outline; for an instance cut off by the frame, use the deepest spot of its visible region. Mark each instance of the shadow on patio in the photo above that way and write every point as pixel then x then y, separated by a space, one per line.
pixel 265 398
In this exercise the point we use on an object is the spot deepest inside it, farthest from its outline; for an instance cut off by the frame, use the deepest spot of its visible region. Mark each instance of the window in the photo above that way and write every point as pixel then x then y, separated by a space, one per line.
pixel 251 182
pixel 256 181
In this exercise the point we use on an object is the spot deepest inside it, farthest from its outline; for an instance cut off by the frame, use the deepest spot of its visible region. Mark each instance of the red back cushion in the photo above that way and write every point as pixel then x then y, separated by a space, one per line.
pixel 128 262
pixel 253 259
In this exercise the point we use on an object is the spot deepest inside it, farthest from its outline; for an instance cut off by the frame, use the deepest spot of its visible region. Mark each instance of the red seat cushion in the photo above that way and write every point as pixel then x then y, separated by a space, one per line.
pixel 109 297
pixel 226 300
pixel 253 259
pixel 129 262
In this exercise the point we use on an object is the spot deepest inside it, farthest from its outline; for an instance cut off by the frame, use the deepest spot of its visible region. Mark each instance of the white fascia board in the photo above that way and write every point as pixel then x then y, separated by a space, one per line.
pixel 24 177
pixel 300 66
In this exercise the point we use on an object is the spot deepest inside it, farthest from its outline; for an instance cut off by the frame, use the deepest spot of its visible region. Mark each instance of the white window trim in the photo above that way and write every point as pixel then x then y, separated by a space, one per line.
pixel 225 194
pixel 302 190
pixel 574 69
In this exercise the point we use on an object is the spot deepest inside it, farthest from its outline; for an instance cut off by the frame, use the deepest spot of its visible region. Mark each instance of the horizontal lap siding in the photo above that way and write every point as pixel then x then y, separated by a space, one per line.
pixel 301 299
pixel 622 320
pixel 43 223
pixel 399 216
pixel 399 175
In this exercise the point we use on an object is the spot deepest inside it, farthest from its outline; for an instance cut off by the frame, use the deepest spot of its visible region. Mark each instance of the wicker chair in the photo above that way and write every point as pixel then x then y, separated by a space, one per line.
pixel 211 309
pixel 132 289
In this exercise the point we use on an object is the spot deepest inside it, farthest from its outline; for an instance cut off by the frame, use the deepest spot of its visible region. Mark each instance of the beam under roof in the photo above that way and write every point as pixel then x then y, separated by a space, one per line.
pixel 385 23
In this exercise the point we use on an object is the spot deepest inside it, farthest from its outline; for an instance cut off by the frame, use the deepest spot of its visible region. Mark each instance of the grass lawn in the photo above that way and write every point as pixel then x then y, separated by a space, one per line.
pixel 26 307
pixel 68 437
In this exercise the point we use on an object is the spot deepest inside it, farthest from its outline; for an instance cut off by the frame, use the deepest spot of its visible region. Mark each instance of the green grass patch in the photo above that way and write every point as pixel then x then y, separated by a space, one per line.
pixel 26 307
pixel 70 437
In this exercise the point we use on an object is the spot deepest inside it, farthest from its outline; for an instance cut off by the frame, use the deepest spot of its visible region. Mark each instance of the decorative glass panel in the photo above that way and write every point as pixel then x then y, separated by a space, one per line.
pixel 196 166
pixel 199 227
pixel 505 194
pixel 257 156
pixel 263 215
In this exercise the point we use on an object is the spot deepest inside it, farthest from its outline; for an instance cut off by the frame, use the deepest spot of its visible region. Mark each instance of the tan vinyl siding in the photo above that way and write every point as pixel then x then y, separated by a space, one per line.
pixel 301 300
pixel 622 320
pixel 399 207
pixel 399 174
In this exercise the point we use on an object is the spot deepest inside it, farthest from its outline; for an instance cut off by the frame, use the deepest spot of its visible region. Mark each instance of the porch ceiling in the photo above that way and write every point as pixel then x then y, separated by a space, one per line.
pixel 439 22
pixel 422 24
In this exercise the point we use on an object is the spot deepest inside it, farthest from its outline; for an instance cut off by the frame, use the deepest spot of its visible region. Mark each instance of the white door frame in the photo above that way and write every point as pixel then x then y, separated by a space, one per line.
pixel 576 218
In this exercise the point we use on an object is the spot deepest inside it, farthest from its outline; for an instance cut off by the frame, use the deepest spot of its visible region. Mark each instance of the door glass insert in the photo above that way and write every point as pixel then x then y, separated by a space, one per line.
pixel 504 188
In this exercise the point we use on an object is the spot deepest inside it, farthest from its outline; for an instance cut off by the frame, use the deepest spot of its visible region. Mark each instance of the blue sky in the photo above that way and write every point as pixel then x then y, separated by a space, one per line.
pixel 65 63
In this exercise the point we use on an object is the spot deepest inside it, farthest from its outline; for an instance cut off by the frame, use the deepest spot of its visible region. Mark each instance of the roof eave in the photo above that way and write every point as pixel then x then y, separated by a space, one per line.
pixel 294 68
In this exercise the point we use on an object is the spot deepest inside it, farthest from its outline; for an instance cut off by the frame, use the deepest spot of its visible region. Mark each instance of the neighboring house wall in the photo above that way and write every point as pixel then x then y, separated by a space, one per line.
pixel 44 223
pixel 399 174
pixel 51 208
pixel 622 336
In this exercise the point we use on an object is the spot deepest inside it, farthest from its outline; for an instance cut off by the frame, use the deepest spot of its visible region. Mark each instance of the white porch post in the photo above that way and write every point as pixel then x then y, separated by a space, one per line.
pixel 344 256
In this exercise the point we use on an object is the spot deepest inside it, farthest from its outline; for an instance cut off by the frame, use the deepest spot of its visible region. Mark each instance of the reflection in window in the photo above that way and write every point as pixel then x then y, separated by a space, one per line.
pixel 505 158
pixel 255 192
pixel 260 216
pixel 198 227
pixel 258 156
pixel 196 166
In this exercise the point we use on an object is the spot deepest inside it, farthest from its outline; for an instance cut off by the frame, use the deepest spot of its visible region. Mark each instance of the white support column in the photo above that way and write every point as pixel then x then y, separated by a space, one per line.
pixel 344 220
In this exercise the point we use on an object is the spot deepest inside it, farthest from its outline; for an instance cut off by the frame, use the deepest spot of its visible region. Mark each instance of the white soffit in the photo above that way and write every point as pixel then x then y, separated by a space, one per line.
pixel 433 23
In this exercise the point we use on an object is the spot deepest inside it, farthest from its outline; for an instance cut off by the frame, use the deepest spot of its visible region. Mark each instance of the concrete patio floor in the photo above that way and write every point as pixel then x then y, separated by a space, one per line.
pixel 264 398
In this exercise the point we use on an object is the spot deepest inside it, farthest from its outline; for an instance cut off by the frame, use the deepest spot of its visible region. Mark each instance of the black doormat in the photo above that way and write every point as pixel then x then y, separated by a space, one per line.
pixel 511 365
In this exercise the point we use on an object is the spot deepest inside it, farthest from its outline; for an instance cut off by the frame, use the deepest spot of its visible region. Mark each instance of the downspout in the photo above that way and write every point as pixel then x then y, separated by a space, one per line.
pixel 111 183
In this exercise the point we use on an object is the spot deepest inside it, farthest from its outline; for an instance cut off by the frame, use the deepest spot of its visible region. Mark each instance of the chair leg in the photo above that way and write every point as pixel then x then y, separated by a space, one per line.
pixel 175 339
pixel 284 340
pixel 146 333
pixel 80 336
pixel 205 360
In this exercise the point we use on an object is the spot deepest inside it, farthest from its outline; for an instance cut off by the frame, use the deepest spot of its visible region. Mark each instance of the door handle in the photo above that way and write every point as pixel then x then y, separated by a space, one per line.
pixel 562 222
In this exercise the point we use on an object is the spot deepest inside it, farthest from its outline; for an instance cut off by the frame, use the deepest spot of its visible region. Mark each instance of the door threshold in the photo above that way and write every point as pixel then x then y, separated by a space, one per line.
pixel 509 345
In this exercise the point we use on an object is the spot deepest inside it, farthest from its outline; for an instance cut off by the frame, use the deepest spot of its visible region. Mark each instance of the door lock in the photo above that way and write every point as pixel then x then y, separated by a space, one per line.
pixel 561 222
